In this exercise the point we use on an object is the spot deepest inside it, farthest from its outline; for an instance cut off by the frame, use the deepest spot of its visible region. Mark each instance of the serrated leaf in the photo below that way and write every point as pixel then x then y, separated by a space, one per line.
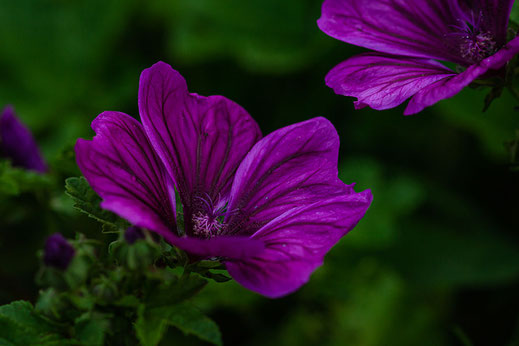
pixel 152 323
pixel 21 326
pixel 91 328
pixel 149 328
pixel 88 202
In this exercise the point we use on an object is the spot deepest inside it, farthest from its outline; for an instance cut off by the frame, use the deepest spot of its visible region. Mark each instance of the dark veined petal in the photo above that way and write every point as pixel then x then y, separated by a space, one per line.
pixel 201 140
pixel 293 166
pixel 121 166
pixel 382 81
pixel 296 243
pixel 402 27
pixel 449 87
pixel 17 143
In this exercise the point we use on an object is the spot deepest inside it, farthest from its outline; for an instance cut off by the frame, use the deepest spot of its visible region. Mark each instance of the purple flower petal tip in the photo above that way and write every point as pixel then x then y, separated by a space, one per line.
pixel 17 143
pixel 58 252
pixel 269 208
pixel 409 38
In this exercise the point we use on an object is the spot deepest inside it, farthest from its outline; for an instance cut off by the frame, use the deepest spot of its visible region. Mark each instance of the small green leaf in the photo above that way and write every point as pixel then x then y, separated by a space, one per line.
pixel 210 265
pixel 152 323
pixel 149 328
pixel 218 277
pixel 87 201
pixel 494 93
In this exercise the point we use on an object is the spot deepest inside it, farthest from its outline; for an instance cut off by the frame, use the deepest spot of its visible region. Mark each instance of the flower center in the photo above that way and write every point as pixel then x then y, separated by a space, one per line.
pixel 475 47
pixel 208 216
pixel 207 226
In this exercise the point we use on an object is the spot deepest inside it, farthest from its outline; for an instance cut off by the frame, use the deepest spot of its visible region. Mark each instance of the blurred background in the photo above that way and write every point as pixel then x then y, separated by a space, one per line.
pixel 434 262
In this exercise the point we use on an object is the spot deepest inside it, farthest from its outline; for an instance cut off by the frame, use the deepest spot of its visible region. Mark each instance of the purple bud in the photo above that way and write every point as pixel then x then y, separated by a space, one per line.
pixel 58 252
pixel 132 234
pixel 17 143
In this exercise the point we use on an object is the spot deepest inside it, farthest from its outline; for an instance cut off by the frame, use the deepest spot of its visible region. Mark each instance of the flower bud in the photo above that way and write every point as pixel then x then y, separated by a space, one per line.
pixel 132 234
pixel 58 252
pixel 17 143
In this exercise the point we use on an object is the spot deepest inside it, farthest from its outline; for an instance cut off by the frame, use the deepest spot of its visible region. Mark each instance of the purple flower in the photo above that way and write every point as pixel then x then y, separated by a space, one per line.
pixel 17 143
pixel 132 234
pixel 58 252
pixel 409 37
pixel 269 208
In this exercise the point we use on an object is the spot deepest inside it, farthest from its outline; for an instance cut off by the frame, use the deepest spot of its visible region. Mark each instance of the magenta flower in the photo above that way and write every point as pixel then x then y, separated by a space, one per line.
pixel 58 252
pixel 17 143
pixel 410 37
pixel 269 208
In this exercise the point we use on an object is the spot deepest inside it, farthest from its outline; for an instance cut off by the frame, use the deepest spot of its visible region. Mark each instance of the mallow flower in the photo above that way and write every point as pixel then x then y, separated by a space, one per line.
pixel 269 208
pixel 410 39
pixel 17 143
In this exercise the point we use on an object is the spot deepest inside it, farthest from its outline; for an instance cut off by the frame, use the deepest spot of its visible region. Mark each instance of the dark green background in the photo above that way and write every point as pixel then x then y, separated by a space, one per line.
pixel 434 262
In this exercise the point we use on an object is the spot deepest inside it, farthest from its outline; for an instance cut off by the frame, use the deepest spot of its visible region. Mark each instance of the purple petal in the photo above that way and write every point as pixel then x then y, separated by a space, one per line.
pixel 121 166
pixel 413 28
pixel 201 140
pixel 381 81
pixel 449 87
pixel 296 243
pixel 227 247
pixel 290 167
pixel 17 143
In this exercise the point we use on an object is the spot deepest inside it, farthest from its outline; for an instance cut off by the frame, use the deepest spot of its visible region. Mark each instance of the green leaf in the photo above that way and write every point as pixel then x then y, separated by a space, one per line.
pixel 149 328
pixel 14 181
pixel 91 328
pixel 19 325
pixel 87 201
pixel 180 290
pixel 152 323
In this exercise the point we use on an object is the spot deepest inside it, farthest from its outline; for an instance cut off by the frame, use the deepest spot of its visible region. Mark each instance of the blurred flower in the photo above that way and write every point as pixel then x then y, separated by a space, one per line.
pixel 17 143
pixel 269 208
pixel 409 37
pixel 58 252
pixel 132 234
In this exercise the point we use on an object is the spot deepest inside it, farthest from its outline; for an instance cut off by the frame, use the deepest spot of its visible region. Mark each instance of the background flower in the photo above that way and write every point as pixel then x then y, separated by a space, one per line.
pixel 407 37
pixel 17 144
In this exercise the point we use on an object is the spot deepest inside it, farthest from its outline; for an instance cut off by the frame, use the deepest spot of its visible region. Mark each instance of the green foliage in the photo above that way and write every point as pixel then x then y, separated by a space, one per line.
pixel 514 15
pixel 91 328
pixel 153 323
pixel 437 249
pixel 265 35
pixel 19 325
pixel 87 201
pixel 14 181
